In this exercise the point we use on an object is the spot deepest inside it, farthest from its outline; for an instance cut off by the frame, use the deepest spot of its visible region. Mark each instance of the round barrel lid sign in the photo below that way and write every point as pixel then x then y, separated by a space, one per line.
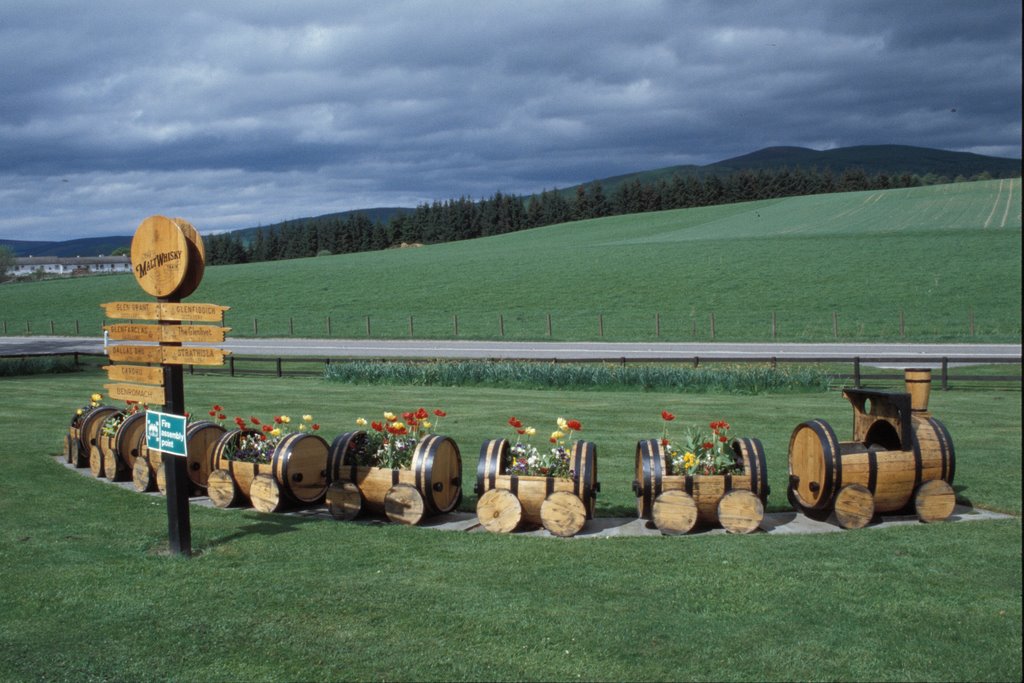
pixel 160 256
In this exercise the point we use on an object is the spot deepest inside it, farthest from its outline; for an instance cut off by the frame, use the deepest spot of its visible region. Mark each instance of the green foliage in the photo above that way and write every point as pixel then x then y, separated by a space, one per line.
pixel 749 379
pixel 13 367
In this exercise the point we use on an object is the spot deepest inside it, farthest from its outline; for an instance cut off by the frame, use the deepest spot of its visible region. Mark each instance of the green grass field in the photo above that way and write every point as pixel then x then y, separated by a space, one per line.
pixel 90 595
pixel 947 256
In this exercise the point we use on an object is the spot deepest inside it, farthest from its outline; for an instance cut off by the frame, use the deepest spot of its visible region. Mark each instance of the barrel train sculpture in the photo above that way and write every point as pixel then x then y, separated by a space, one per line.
pixel 900 458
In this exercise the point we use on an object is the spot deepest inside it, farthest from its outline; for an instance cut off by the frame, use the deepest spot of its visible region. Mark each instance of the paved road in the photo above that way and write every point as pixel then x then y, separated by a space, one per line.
pixel 341 348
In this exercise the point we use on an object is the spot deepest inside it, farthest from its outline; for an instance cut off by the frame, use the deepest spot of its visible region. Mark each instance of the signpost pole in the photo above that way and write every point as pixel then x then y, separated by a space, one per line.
pixel 179 527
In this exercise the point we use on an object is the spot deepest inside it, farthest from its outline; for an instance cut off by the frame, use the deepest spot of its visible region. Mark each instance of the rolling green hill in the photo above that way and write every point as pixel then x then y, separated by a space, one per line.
pixel 946 256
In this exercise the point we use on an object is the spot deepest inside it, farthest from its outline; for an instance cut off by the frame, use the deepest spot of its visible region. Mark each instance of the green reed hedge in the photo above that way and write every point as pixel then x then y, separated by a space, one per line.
pixel 744 379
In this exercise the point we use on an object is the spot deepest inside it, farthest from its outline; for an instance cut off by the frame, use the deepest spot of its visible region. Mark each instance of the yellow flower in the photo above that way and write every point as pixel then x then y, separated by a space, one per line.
pixel 97 397
pixel 563 425
pixel 302 428
pixel 359 421
pixel 79 412
pixel 689 459
pixel 275 432
pixel 530 431
pixel 390 417
pixel 307 418
pixel 285 419
pixel 426 425
pixel 555 436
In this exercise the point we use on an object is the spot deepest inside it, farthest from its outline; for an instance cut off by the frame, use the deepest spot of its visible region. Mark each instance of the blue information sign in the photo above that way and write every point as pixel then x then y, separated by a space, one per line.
pixel 165 433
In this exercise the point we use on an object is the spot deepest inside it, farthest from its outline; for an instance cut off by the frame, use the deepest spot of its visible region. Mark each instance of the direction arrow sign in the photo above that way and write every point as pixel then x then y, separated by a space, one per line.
pixel 135 373
pixel 166 333
pixel 136 392
pixel 193 355
pixel 145 310
pixel 166 433
pixel 134 354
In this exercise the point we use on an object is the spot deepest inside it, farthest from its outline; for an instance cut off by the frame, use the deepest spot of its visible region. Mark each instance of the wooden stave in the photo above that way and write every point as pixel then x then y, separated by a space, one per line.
pixel 918 383
pixel 744 501
pixel 434 462
pixel 405 504
pixel 934 501
pixel 343 500
pixel 674 512
pixel 803 456
pixel 650 467
pixel 143 476
pixel 563 514
pixel 499 511
pixel 129 435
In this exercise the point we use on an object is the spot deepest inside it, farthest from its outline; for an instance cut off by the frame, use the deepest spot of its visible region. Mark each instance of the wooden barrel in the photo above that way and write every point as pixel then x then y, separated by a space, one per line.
pixel 533 490
pixel 820 465
pixel 652 478
pixel 435 471
pixel 299 466
pixel 129 437
pixel 919 385
pixel 200 438
pixel 90 431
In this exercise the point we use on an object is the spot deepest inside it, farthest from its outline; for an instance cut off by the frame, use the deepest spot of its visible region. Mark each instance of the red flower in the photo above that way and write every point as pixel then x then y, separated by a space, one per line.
pixel 422 414
pixel 217 408
pixel 574 425
pixel 514 423
pixel 440 413
pixel 314 426
pixel 213 413
pixel 254 420
pixel 667 416
pixel 520 431
pixel 240 422
pixel 278 420
pixel 268 428
pixel 377 426
pixel 664 443
pixel 707 445
pixel 221 416
pixel 723 439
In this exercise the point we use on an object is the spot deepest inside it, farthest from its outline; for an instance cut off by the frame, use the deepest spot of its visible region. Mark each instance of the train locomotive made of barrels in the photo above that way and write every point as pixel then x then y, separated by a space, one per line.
pixel 900 459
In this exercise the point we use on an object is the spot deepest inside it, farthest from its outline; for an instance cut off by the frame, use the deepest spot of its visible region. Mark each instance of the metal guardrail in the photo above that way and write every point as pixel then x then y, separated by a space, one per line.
pixel 274 366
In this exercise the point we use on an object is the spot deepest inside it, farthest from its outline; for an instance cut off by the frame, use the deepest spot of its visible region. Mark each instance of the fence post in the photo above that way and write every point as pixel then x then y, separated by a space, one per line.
pixel 773 324
pixel 455 322
pixel 291 326
pixel 657 324
pixel 367 326
pixel 5 326
pixel 696 361
pixel 28 327
pixel 255 327
pixel 970 316
pixel 328 326
pixel 231 364
pixel 51 328
pixel 600 325
pixel 856 371
pixel 712 324
pixel 835 324
pixel 902 324
pixel 279 373
pixel 410 326
pixel 945 374
pixel 501 324
pixel 549 324
pixel 76 326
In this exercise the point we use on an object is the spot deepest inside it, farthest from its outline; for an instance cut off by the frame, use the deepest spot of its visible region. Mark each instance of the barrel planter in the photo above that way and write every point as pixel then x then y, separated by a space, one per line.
pixel 900 458
pixel 120 449
pixel 145 468
pixel 200 438
pixel 676 503
pixel 560 505
pixel 432 485
pixel 294 475
pixel 89 432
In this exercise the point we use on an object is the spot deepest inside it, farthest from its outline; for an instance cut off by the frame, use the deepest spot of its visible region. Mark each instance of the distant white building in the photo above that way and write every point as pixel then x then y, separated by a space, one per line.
pixel 58 266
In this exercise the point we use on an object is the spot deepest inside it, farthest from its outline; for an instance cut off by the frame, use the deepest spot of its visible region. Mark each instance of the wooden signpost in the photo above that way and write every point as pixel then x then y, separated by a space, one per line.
pixel 168 261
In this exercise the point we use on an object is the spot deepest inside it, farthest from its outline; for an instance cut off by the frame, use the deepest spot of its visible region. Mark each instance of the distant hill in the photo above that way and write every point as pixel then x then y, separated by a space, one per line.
pixel 872 159
pixel 86 246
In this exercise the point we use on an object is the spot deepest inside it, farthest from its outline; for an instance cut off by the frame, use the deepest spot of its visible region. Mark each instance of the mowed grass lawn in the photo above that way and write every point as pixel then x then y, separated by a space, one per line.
pixel 843 266
pixel 88 593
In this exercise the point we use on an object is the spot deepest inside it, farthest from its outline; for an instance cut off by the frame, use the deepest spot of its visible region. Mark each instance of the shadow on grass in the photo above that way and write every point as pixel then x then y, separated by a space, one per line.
pixel 279 525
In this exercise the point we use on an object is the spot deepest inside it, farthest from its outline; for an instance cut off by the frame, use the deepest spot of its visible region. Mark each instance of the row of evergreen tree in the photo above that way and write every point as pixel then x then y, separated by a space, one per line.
pixel 464 218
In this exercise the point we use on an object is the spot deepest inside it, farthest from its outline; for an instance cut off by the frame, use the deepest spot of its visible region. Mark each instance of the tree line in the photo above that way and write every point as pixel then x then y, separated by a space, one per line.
pixel 465 218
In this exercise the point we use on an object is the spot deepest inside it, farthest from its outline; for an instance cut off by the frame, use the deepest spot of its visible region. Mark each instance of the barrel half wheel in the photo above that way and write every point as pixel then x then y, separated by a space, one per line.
pixel 404 504
pixel 563 514
pixel 934 501
pixel 740 511
pixel 674 512
pixel 265 494
pixel 344 500
pixel 854 507
pixel 499 511
pixel 221 489
pixel 143 476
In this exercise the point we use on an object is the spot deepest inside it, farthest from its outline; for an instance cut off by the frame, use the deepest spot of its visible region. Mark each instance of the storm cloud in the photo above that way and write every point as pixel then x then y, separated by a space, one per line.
pixel 234 114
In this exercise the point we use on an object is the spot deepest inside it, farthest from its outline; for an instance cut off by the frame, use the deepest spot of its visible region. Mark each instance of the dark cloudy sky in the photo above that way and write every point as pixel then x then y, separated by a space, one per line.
pixel 233 114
